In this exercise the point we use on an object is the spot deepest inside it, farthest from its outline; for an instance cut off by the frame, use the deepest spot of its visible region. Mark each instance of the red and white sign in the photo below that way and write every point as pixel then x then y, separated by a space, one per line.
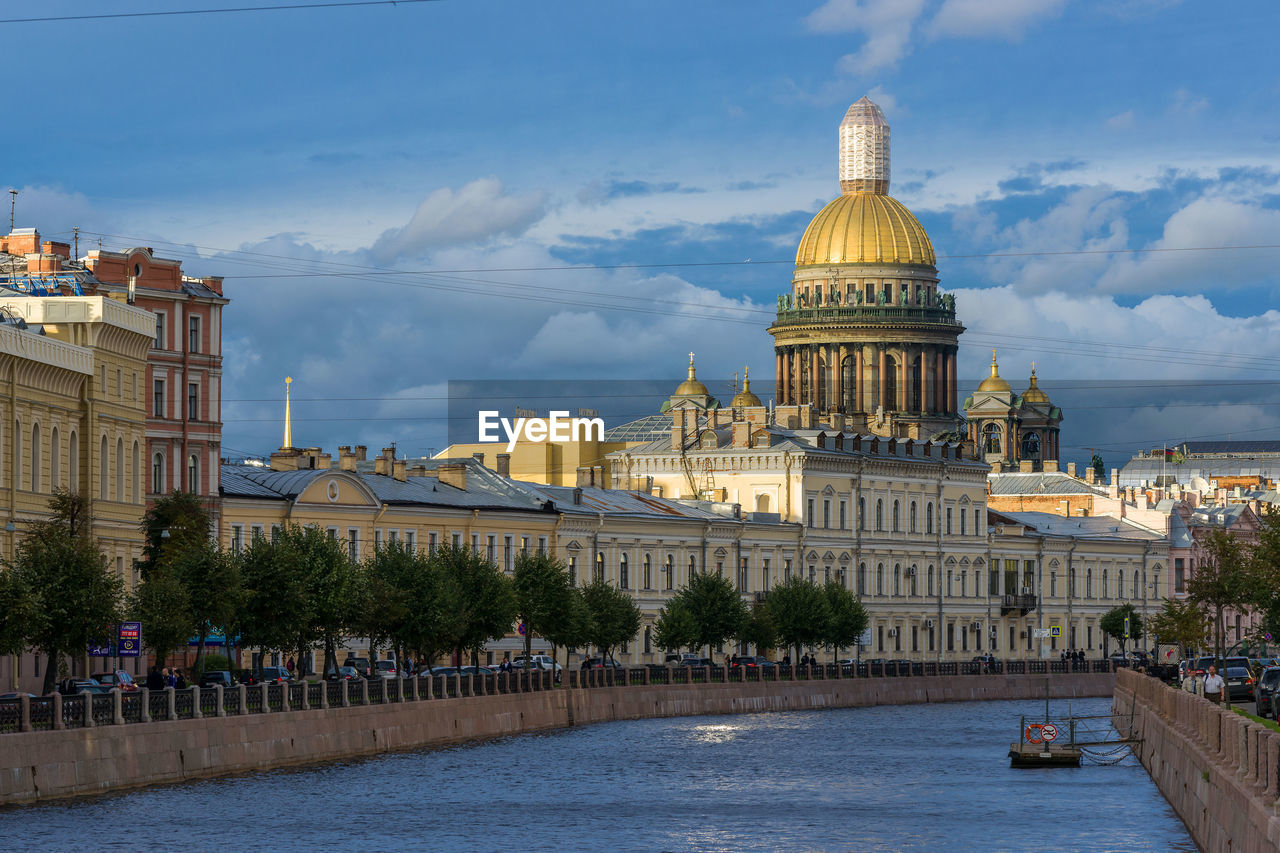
pixel 1049 733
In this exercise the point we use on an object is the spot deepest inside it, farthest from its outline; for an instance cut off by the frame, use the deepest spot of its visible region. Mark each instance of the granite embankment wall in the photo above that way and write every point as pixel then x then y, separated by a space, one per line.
pixel 1217 769
pixel 43 765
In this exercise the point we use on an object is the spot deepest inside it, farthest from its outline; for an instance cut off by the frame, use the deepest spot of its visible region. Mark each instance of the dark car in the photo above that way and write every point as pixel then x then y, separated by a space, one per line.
pixel 752 661
pixel 116 678
pixel 248 677
pixel 361 665
pixel 74 686
pixel 276 675
pixel 685 662
pixel 214 677
pixel 1263 689
pixel 1239 682
pixel 343 673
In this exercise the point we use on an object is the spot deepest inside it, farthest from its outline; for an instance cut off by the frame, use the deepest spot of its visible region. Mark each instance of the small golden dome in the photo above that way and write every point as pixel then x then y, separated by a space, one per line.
pixel 745 398
pixel 865 228
pixel 691 387
pixel 993 382
pixel 1034 394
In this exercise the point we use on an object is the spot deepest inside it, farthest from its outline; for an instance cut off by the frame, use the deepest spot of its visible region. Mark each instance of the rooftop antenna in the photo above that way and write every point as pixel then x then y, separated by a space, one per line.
pixel 75 239
pixel 288 420
pixel 13 206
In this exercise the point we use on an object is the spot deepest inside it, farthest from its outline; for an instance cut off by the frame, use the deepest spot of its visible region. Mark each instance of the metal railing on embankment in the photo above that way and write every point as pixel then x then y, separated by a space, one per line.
pixel 87 710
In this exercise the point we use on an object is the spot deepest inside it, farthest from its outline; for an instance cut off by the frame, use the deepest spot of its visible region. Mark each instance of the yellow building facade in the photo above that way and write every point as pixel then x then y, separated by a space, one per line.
pixel 72 415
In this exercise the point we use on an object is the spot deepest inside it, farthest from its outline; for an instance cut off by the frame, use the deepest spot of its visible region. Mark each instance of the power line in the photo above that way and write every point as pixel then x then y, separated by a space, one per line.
pixel 230 9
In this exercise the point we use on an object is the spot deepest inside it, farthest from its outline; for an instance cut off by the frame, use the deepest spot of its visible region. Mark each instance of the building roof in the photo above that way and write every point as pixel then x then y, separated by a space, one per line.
pixel 648 428
pixel 865 228
pixel 1084 527
pixel 1049 483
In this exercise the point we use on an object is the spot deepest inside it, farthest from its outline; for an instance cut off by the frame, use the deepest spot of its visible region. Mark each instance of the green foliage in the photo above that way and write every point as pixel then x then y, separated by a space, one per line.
pixel 478 601
pixel 613 616
pixel 714 606
pixel 163 607
pixel 211 579
pixel 799 611
pixel 1225 580
pixel 1182 622
pixel 64 584
pixel 570 629
pixel 274 613
pixel 1112 624
pixel 1099 468
pixel 758 629
pixel 214 662
pixel 186 521
pixel 19 610
pixel 543 594
pixel 846 617
pixel 675 629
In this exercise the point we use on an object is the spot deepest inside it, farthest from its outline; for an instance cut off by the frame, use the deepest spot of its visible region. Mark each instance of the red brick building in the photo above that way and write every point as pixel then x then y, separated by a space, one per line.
pixel 184 369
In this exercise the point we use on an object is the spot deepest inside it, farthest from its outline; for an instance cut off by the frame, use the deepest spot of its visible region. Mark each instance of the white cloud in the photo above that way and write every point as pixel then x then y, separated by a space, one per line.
pixel 474 213
pixel 1121 121
pixel 1188 104
pixel 885 24
pixel 1205 222
pixel 991 18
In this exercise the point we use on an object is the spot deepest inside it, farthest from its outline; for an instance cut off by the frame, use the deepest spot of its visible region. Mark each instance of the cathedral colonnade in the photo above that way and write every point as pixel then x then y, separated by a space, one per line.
pixel 865 377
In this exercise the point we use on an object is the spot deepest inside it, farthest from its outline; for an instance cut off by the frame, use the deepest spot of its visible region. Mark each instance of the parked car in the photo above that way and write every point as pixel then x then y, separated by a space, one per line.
pixel 116 678
pixel 989 662
pixel 276 675
pixel 214 677
pixel 1263 689
pixel 752 661
pixel 537 662
pixel 596 663
pixel 361 665
pixel 247 677
pixel 1239 682
pixel 688 661
pixel 74 686
pixel 384 669
pixel 18 695
pixel 343 673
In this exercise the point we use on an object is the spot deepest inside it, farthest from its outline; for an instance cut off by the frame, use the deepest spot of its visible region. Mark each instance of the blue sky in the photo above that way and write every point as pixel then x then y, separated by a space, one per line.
pixel 476 134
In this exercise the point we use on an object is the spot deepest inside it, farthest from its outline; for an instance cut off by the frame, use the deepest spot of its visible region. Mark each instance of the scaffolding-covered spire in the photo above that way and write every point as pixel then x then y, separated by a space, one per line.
pixel 864 149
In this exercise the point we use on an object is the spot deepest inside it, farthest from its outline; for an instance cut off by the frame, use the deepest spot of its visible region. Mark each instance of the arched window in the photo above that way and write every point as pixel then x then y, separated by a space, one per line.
pixel 862 513
pixel 671 572
pixel 914 577
pixel 1071 582
pixel 17 454
pixel 897 520
pixel 913 516
pixel 1137 591
pixel 193 473
pixel 897 579
pixel 136 494
pixel 991 438
pixel 930 588
pixel 599 574
pixel 73 462
pixel 55 458
pixel 1104 584
pixel 1031 445
pixel 1088 583
pixel 104 479
pixel 880 579
pixel 648 572
pixel 862 579
pixel 693 565
pixel 928 518
pixel 157 474
pixel 35 457
pixel 120 469
pixel 762 503
pixel 879 514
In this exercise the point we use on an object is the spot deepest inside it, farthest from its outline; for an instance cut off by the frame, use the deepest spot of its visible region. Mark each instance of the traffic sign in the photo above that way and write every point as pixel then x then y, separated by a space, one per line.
pixel 1055 631
pixel 1049 732
pixel 101 650
pixel 130 639
pixel 1040 633
pixel 1267 636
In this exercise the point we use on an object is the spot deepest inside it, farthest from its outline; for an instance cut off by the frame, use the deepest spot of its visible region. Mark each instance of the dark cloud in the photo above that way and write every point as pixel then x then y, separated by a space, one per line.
pixel 600 192
pixel 743 186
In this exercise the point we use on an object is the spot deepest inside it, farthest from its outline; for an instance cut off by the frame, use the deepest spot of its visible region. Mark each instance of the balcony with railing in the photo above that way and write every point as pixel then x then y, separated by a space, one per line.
pixel 867 313
pixel 1021 604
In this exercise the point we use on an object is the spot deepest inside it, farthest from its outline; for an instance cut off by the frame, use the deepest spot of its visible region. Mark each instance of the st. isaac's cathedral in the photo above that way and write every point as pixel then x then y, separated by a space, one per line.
pixel 865 342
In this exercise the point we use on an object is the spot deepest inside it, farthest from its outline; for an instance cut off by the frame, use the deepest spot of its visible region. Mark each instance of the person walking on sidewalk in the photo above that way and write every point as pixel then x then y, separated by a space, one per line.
pixel 1213 685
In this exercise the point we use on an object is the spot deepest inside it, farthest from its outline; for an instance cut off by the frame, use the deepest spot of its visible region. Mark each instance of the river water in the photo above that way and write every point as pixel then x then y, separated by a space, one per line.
pixel 919 777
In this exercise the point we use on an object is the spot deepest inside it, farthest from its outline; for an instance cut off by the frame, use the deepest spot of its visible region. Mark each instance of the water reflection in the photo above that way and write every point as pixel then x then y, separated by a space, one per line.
pixel 920 778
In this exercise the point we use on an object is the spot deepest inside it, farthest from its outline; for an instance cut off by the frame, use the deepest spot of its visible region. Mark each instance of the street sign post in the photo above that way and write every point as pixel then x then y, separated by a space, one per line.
pixel 130 639
pixel 1055 631
pixel 1040 633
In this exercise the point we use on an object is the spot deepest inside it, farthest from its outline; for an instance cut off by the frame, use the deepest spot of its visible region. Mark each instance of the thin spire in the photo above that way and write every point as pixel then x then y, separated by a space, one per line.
pixel 288 420
pixel 746 380
pixel 692 376
pixel 994 368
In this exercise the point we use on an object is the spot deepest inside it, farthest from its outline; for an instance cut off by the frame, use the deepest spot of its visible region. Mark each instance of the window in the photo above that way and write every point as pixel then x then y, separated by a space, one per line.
pixel 693 565
pixel 948 521
pixel 377 539
pixel 119 374
pixel 623 579
pixel 1088 583
pixel 55 458
pixel 159 330
pixel 913 517
pixel 103 471
pixel 742 575
pixel 524 545
pixel 897 579
pixel 157 404
pixel 786 570
pixel 157 474
pixel 897 518
pixel 193 401
pixel 1179 575
pixel 977 522
pixel 573 571
pixel 928 518
pixel 137 473
pixel 193 473
pixel 879 514
pixel 1029 576
pixel 73 462
pixel 542 545
pixel 120 469
pixel 102 380
pixel 862 513
pixel 393 536
pixel 455 539
pixel 599 573
pixel 411 539
pixel 671 572
pixel 255 532
pixel 764 576
pixel 491 547
pixel 862 579
pixel 1103 593
pixel 842 514
pixel 1071 583
pixel 35 457
pixel 648 639
pixel 826 513
pixel 433 542
pixel 809 519
pixel 193 334
pixel 930 589
pixel 332 533
pixel 962 524
pixel 880 579
pixel 508 557
pixel 1053 583
pixel 275 532
pixel 475 543
pixel 237 538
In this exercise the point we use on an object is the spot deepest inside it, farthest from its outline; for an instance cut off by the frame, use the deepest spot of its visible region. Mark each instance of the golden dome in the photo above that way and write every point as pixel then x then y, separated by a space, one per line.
pixel 993 382
pixel 745 398
pixel 1034 394
pixel 691 387
pixel 865 228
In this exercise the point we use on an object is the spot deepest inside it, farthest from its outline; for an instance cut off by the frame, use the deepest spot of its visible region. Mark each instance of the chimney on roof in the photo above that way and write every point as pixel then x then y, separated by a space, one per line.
pixel 1089 475
pixel 597 476
pixel 504 464
pixel 1071 469
pixel 399 469
pixel 586 477
pixel 479 457
pixel 1050 466
pixel 453 474
pixel 382 464
pixel 213 282
pixel 346 459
